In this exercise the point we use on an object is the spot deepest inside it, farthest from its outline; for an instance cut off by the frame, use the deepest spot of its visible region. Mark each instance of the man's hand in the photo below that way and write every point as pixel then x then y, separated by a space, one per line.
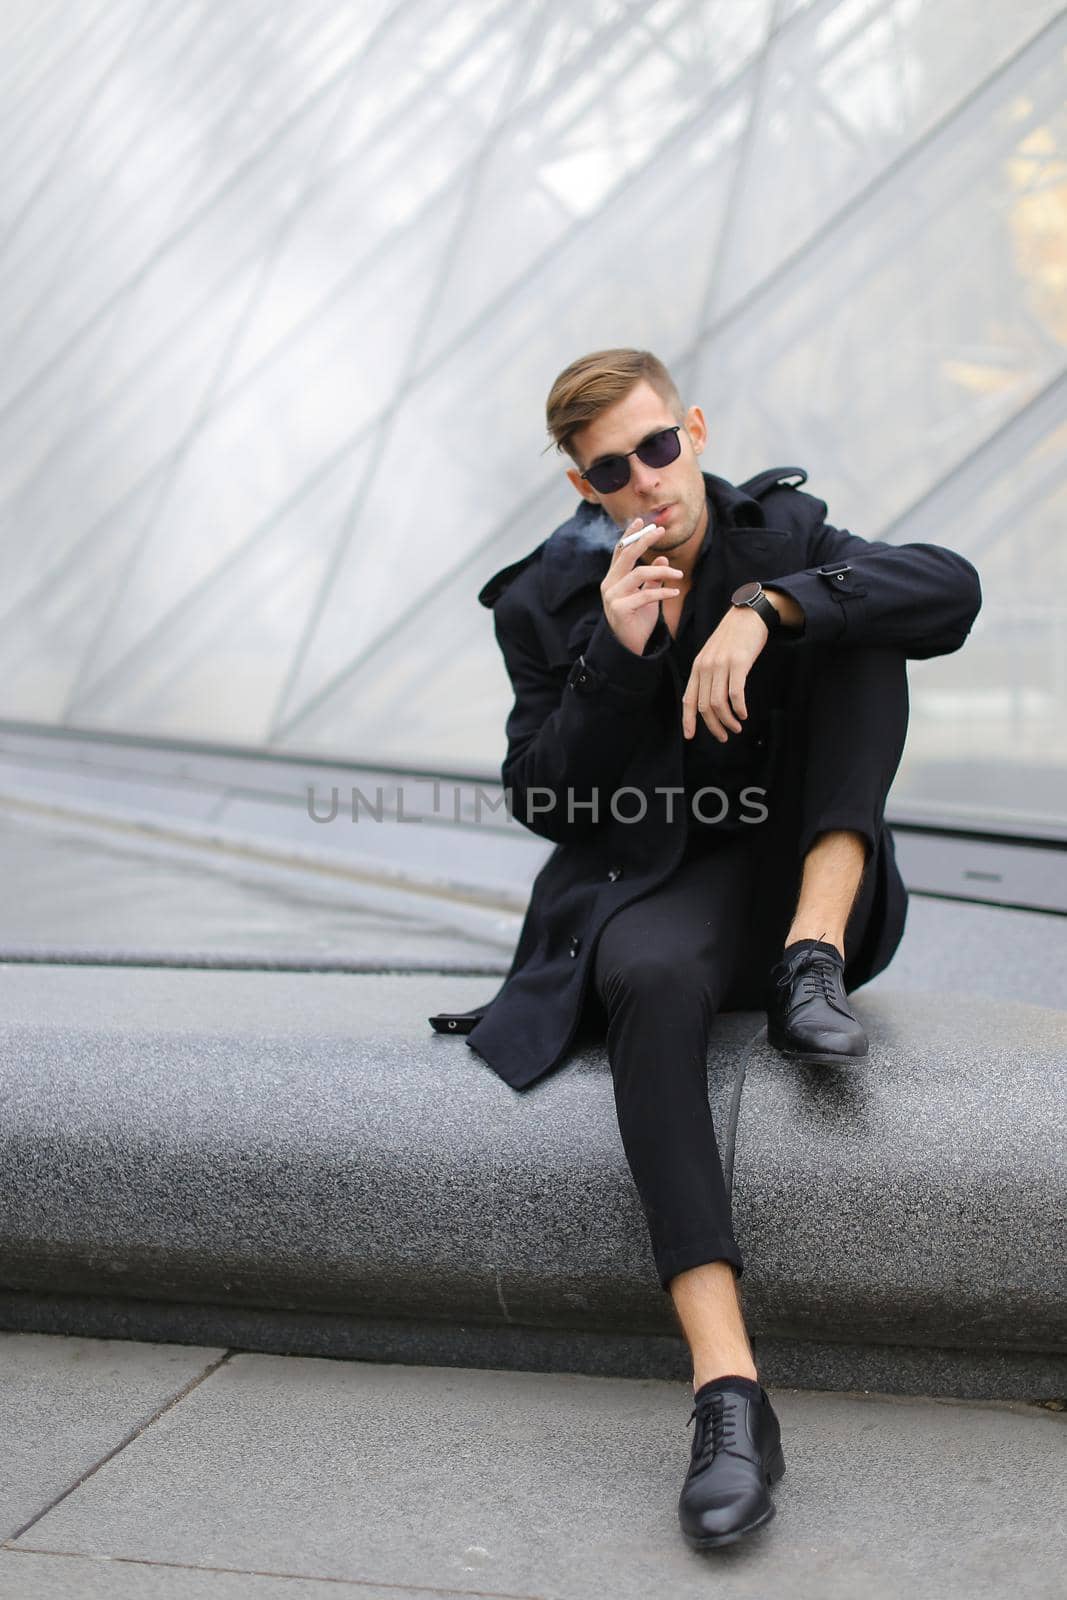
pixel 716 686
pixel 631 593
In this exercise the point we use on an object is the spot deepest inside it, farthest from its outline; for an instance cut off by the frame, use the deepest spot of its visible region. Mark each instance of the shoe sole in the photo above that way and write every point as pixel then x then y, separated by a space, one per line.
pixel 713 1541
pixel 819 1058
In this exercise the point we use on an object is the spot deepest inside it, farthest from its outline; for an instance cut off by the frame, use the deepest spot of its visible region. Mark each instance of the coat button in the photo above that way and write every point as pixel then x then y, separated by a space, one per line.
pixel 575 944
pixel 616 872
pixel 452 1022
pixel 840 576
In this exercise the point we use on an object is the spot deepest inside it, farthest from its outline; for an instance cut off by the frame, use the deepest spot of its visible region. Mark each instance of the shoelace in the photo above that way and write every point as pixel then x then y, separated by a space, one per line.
pixel 819 978
pixel 714 1431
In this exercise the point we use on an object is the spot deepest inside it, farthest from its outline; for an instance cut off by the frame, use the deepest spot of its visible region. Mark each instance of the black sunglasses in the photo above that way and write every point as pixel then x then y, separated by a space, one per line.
pixel 612 473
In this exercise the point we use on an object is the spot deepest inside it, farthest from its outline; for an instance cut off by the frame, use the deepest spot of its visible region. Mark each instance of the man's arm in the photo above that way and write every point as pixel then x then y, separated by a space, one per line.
pixel 791 614
pixel 577 737
pixel 921 598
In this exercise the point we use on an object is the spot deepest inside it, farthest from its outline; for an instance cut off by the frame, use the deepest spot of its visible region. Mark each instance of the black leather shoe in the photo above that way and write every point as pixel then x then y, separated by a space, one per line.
pixel 737 1453
pixel 808 1014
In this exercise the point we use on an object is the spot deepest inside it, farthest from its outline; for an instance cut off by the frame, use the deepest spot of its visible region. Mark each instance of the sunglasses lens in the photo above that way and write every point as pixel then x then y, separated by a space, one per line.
pixel 661 449
pixel 609 475
pixel 613 473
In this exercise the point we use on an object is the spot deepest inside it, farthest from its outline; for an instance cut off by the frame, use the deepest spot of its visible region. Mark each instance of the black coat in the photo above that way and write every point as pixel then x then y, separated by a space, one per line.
pixel 589 715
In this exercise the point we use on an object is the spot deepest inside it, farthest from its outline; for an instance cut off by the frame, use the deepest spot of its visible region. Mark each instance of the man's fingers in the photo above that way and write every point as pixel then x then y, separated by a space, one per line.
pixel 690 704
pixel 737 692
pixel 716 688
pixel 719 704
pixel 636 546
pixel 716 691
pixel 645 591
pixel 697 701
pixel 714 726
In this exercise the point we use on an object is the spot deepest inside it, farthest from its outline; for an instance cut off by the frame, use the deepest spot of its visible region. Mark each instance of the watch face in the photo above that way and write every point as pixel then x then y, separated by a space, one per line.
pixel 747 593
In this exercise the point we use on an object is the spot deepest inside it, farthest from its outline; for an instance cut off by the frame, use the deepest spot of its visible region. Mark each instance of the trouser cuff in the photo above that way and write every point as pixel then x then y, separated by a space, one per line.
pixel 695 1254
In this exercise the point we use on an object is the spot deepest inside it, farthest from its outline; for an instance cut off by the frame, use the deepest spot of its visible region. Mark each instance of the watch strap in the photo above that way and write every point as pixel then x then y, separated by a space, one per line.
pixel 758 603
pixel 767 611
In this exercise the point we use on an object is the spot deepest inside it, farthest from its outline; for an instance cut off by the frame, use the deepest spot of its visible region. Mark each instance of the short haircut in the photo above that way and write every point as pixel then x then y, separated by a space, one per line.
pixel 594 382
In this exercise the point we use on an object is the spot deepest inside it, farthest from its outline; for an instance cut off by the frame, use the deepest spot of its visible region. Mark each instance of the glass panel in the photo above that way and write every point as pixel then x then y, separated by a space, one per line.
pixel 46 634
pixel 76 460
pixel 463 448
pixel 622 142
pixel 849 90
pixel 165 240
pixel 228 462
pixel 282 290
pixel 987 741
pixel 881 357
pixel 216 661
pixel 433 692
pixel 40 112
pixel 395 162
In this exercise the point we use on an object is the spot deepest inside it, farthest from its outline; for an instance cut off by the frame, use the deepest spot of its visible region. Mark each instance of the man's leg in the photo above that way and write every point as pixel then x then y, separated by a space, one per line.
pixel 857 719
pixel 833 868
pixel 709 1310
pixel 660 970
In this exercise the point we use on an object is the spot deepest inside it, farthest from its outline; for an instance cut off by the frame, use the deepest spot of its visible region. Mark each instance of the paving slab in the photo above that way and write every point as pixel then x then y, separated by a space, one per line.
pixel 30 1575
pixel 524 1484
pixel 65 1403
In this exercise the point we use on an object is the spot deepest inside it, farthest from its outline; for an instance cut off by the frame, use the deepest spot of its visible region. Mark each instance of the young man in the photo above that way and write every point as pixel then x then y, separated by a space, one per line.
pixel 744 649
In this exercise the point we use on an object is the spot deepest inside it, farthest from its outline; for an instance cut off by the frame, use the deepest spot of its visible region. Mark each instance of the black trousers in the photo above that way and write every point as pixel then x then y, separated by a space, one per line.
pixel 667 964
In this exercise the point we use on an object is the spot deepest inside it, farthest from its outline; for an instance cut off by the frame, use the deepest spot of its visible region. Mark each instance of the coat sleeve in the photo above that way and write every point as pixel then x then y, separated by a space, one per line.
pixel 569 743
pixel 922 598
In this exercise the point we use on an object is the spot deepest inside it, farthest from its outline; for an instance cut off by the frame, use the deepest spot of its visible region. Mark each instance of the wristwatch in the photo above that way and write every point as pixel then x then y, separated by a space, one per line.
pixel 751 594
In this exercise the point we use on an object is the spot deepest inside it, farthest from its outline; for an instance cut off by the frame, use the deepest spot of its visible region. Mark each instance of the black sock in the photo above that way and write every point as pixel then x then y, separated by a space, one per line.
pixel 812 944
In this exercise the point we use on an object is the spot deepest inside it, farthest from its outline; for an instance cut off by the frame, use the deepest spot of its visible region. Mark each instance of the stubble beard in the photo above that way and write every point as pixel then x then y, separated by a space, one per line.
pixel 680 538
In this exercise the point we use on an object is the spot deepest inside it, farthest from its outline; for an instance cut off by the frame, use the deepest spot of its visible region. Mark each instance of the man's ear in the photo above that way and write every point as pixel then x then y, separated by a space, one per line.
pixel 696 427
pixel 582 487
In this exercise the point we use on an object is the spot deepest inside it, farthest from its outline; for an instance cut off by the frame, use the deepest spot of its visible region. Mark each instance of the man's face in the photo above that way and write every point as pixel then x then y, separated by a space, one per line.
pixel 674 495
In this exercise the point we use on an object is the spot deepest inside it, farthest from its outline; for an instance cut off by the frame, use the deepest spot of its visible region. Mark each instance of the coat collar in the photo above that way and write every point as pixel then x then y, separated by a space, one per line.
pixel 578 552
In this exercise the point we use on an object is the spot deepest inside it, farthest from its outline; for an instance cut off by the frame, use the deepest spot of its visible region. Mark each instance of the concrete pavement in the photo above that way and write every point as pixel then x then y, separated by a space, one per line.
pixel 165 1472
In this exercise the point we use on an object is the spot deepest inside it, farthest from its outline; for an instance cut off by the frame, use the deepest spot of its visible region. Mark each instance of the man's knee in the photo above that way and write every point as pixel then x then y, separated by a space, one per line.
pixel 656 978
pixel 872 675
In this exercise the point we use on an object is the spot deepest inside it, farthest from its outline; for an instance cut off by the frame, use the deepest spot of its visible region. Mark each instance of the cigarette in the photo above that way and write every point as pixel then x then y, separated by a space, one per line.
pixel 630 537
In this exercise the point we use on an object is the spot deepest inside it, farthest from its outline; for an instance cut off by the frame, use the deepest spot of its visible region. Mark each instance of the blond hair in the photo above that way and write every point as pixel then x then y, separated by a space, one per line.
pixel 594 382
